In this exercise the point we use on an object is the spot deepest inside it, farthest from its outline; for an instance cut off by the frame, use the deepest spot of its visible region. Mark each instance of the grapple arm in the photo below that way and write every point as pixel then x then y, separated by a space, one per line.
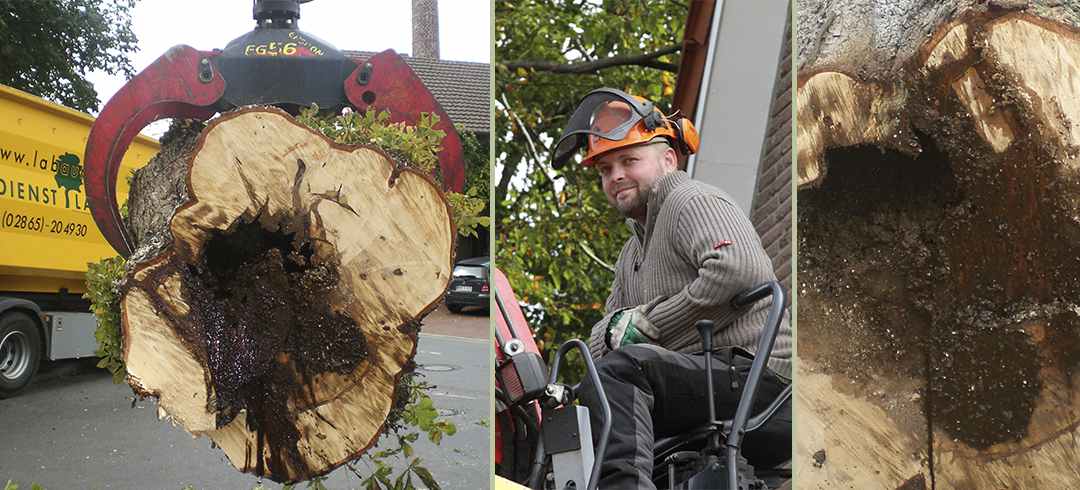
pixel 385 81
pixel 178 84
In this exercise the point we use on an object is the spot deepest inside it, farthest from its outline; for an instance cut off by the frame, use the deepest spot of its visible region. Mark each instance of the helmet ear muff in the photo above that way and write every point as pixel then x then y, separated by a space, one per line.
pixel 687 135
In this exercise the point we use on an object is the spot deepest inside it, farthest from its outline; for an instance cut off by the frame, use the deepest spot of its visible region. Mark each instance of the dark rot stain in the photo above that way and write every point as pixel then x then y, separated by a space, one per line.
pixel 866 243
pixel 985 383
pixel 261 314
pixel 922 267
pixel 1062 345
pixel 917 482
pixel 410 327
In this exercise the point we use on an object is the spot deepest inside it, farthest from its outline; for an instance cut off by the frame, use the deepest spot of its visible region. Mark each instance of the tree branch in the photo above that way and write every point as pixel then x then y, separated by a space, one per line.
pixel 592 255
pixel 647 60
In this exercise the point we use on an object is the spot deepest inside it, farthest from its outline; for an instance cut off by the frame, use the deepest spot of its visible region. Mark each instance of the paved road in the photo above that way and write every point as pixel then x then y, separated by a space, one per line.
pixel 73 428
pixel 472 323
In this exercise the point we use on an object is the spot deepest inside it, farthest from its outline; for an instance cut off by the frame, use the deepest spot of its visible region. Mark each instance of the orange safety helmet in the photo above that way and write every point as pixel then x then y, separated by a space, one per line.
pixel 608 119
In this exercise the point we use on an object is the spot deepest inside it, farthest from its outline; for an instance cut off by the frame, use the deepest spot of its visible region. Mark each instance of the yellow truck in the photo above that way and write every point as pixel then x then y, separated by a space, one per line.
pixel 47 235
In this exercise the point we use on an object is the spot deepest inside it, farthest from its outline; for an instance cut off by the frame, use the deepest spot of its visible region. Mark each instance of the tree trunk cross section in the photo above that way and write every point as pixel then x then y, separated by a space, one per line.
pixel 274 298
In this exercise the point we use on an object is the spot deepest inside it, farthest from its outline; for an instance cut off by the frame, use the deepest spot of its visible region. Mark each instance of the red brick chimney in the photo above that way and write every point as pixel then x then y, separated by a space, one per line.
pixel 425 29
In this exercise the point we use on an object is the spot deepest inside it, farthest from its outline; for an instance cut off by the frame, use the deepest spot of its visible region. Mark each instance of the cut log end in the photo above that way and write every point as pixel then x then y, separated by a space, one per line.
pixel 280 316
pixel 938 269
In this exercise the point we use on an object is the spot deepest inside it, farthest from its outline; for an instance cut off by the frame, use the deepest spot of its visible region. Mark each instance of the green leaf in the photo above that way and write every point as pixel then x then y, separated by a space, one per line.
pixel 399 482
pixel 383 474
pixel 10 485
pixel 425 476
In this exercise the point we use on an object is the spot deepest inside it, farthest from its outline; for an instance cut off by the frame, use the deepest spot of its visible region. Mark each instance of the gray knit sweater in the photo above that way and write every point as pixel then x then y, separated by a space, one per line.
pixel 680 265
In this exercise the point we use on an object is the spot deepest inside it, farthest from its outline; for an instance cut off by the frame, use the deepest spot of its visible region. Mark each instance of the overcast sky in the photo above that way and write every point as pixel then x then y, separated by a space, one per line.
pixel 360 25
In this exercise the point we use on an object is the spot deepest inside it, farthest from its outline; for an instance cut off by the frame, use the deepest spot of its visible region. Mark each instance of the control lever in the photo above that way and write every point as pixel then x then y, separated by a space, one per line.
pixel 738 424
pixel 570 461
pixel 705 329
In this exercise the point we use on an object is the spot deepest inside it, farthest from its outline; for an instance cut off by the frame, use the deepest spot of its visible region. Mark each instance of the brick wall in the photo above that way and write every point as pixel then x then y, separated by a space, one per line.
pixel 771 209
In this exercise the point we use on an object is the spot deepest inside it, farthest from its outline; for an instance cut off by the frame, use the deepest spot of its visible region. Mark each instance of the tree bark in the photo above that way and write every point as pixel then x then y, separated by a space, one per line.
pixel 274 298
pixel 939 330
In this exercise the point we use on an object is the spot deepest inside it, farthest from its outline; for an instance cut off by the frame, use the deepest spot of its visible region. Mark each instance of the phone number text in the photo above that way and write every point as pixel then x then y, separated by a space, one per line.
pixel 19 221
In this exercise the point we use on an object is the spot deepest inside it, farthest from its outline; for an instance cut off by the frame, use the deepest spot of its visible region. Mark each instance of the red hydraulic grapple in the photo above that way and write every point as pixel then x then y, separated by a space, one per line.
pixel 275 64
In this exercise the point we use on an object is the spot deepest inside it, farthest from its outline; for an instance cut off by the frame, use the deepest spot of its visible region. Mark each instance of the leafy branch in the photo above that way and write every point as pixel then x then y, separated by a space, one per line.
pixel 12 485
pixel 418 411
pixel 102 280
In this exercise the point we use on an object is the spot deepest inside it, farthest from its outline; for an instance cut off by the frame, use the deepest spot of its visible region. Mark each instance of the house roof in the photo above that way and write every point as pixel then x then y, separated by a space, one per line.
pixel 462 88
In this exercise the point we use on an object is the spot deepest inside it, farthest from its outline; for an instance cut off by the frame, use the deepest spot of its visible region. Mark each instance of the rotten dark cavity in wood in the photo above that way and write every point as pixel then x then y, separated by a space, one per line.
pixel 902 308
pixel 262 321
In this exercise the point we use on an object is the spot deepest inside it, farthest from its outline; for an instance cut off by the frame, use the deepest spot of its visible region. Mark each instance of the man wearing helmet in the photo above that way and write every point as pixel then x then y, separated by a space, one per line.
pixel 692 250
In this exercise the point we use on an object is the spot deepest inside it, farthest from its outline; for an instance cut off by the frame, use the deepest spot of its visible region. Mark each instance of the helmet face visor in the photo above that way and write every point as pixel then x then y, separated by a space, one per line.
pixel 603 114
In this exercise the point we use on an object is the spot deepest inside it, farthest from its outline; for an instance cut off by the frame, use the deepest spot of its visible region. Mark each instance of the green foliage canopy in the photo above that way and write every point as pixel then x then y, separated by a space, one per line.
pixel 47 47
pixel 549 54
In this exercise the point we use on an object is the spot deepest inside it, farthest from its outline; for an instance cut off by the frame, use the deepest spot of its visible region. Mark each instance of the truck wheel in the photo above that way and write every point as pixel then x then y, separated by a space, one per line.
pixel 20 352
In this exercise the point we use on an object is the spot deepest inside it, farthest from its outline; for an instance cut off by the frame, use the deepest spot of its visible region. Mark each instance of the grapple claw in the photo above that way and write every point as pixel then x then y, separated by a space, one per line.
pixel 385 81
pixel 181 83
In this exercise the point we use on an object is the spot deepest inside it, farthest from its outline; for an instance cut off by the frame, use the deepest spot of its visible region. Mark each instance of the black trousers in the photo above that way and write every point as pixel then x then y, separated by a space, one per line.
pixel 655 393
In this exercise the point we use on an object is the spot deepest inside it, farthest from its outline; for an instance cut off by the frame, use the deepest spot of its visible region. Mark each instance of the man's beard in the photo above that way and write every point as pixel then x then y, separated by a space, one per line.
pixel 634 208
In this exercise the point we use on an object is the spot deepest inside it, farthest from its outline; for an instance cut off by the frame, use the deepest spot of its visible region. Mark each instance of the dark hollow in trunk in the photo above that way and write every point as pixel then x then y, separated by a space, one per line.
pixel 895 214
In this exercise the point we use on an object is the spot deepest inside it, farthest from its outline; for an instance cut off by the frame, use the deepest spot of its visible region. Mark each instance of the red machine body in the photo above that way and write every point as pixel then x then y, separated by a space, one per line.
pixel 512 378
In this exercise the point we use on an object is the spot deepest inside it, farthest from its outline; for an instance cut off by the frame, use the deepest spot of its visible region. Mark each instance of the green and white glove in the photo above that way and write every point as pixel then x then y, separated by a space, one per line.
pixel 630 326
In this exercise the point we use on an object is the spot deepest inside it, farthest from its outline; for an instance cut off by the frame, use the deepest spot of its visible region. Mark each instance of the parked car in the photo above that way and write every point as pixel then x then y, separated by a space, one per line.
pixel 469 286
